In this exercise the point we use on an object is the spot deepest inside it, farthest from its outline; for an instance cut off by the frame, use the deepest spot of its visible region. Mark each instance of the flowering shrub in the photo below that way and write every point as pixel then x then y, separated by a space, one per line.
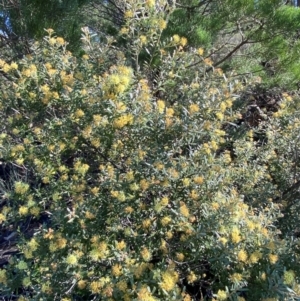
pixel 143 189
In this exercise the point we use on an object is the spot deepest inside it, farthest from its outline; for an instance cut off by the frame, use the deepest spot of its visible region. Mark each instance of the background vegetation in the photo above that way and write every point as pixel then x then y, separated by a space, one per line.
pixel 154 158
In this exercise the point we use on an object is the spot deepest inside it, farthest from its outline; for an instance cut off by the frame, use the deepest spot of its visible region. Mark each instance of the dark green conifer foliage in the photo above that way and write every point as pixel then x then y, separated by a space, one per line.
pixel 29 18
pixel 248 36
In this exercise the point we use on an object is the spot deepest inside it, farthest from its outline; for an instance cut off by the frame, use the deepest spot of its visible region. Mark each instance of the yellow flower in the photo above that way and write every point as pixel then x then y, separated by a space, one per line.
pixel 124 30
pixel 242 256
pixel 35 211
pixel 81 284
pixel 169 279
pixel 250 225
pixel 169 112
pixel 235 236
pixel 228 103
pixel 60 41
pixel 6 68
pixel 128 14
pixel 183 41
pixel 194 195
pixel 97 119
pixel 186 297
pixel 81 168
pixel 184 209
pixel 14 66
pixel 45 88
pixel 2 218
pixel 122 121
pixel 273 258
pixel 144 184
pixel 33 245
pixel 221 295
pixel 108 291
pixel 176 38
pixel 144 294
pixel 162 24
pixel 191 277
pixel 208 61
pixel 23 210
pixel 61 243
pixel 254 257
pixel 160 106
pixel 79 113
pixel 128 210
pixel 49 234
pixel 169 235
pixel 146 254
pixel 143 39
pixel 236 277
pixel 223 240
pixel 95 287
pixel 226 157
pixel 220 115
pixel 21 188
pixel 198 180
pixel 116 270
pixel 166 220
pixel 71 259
pixel 150 3
pixel 223 106
pixel 200 51
pixel 193 108
pixel 121 245
pixel 89 215
pixel 186 182
pixel 180 256
pixel 146 223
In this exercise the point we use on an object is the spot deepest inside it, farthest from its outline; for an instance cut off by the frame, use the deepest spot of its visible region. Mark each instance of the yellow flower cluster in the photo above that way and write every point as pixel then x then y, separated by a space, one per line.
pixel 81 168
pixel 99 249
pixel 5 67
pixel 21 188
pixel 221 295
pixel 235 235
pixel 116 270
pixel 169 280
pixel 57 243
pixel 71 259
pixel 184 210
pixel 146 254
pixel 179 40
pixel 144 294
pixel 161 106
pixel 123 120
pixel 118 81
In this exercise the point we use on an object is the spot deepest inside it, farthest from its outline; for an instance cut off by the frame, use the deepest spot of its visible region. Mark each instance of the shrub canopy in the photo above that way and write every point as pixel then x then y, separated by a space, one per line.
pixel 139 186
